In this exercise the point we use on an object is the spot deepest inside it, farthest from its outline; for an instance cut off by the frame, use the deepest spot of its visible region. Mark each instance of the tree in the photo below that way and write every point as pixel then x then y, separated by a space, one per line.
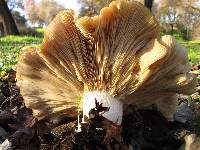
pixel 14 7
pixel 19 19
pixel 42 12
pixel 6 19
pixel 195 33
pixel 169 12
pixel 92 7
pixel 31 10
pixel 183 14
pixel 14 4
pixel 190 15
pixel 1 29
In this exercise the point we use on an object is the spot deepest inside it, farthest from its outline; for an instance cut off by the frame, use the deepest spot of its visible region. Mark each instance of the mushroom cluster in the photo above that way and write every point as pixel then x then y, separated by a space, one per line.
pixel 117 57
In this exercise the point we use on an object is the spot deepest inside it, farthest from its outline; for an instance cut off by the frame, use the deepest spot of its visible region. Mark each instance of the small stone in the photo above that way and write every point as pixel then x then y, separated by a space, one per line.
pixel 3 134
pixel 184 113
pixel 5 116
pixel 6 145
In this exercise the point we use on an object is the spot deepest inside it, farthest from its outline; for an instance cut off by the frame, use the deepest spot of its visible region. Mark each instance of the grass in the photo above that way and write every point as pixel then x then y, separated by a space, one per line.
pixel 193 48
pixel 40 30
pixel 10 47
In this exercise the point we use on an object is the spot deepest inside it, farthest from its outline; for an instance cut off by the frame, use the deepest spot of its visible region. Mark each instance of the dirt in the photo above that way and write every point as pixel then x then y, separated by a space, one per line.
pixel 140 129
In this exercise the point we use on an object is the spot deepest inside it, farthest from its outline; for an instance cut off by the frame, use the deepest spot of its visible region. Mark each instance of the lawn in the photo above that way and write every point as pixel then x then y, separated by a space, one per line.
pixel 193 48
pixel 10 47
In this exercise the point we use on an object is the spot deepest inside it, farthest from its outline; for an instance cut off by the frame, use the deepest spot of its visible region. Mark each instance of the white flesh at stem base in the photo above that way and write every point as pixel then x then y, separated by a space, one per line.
pixel 115 112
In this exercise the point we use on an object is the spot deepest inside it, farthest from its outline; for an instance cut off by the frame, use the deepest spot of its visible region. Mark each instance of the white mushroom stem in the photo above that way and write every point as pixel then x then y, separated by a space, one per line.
pixel 115 106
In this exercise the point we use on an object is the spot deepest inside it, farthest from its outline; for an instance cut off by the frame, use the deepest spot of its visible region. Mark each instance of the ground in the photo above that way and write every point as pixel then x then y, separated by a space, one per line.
pixel 141 129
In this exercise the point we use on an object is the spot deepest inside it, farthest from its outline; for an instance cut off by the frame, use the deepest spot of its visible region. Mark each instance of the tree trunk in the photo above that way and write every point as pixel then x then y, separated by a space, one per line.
pixel 148 4
pixel 172 28
pixel 1 29
pixel 7 20
pixel 187 33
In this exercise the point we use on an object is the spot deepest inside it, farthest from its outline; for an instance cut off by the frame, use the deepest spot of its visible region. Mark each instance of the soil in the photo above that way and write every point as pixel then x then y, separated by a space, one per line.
pixel 140 129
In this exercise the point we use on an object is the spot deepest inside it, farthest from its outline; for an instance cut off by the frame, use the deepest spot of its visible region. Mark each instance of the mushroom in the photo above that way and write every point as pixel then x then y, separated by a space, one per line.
pixel 116 58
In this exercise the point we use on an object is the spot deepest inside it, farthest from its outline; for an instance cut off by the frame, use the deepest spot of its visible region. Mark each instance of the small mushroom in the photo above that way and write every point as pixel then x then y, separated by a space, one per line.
pixel 116 58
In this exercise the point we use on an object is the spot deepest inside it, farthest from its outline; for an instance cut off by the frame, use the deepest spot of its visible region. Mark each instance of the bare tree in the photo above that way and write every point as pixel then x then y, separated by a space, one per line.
pixel 14 4
pixel 48 9
pixel 42 12
pixel 190 15
pixel 169 12
pixel 183 14
pixel 6 20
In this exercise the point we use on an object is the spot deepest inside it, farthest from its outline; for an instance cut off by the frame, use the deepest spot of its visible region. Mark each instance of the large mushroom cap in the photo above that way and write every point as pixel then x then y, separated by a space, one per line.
pixel 118 52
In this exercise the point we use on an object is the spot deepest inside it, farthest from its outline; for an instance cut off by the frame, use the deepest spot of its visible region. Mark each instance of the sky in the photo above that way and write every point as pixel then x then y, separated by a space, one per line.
pixel 69 4
pixel 72 4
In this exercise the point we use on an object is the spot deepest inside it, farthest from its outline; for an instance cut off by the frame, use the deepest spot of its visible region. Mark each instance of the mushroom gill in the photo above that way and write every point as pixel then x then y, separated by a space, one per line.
pixel 117 58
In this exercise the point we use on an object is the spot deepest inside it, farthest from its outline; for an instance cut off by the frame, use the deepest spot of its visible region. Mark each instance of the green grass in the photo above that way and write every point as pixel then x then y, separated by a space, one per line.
pixel 10 47
pixel 193 48
pixel 40 30
pixel 177 34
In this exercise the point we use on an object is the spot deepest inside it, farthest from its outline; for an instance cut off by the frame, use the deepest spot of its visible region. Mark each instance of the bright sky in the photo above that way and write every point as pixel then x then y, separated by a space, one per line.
pixel 69 4
pixel 72 4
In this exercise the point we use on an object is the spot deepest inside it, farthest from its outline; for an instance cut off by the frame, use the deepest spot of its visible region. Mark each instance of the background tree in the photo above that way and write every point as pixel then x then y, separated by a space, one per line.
pixel 31 9
pixel 92 7
pixel 12 4
pixel 180 14
pixel 42 12
pixel 6 20
pixel 15 6
pixel 195 33
pixel 168 12
pixel 189 16
pixel 19 18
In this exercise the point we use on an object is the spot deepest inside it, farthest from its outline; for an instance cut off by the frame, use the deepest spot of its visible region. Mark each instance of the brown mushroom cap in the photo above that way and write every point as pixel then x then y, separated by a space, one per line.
pixel 119 52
